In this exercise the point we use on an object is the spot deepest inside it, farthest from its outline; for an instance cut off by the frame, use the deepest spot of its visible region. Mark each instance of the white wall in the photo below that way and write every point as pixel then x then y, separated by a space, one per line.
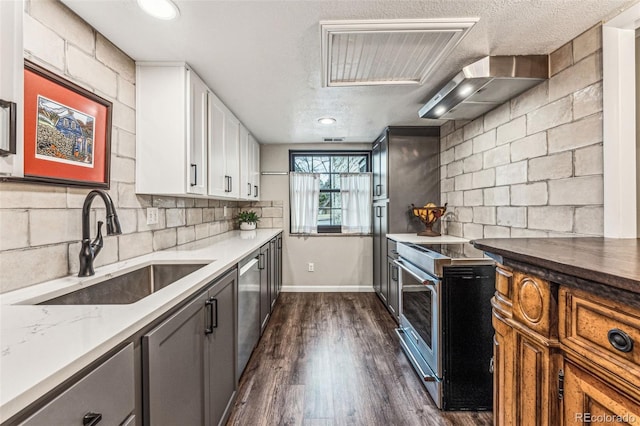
pixel 341 263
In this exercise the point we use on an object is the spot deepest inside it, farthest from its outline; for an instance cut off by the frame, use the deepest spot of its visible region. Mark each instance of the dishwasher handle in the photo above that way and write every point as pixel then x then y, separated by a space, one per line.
pixel 248 266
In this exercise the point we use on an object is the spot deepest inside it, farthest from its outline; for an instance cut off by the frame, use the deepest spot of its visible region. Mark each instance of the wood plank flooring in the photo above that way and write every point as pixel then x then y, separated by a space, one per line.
pixel 333 359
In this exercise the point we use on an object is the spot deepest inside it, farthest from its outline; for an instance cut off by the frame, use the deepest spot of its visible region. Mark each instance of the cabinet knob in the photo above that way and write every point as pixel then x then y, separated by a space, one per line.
pixel 91 419
pixel 620 340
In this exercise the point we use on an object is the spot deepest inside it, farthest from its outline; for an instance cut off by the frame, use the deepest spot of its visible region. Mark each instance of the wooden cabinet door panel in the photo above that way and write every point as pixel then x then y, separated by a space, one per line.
pixel 503 384
pixel 589 400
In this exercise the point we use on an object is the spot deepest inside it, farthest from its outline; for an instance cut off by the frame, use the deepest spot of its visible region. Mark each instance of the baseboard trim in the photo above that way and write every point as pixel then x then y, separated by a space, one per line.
pixel 327 288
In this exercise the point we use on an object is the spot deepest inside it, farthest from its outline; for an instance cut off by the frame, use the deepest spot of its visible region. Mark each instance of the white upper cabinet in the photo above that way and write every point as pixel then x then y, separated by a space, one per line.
pixel 11 88
pixel 172 129
pixel 188 143
pixel 254 168
pixel 224 151
pixel 249 166
pixel 246 155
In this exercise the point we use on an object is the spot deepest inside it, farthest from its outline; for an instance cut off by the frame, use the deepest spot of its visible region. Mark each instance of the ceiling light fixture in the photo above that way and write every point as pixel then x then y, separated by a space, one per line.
pixel 465 90
pixel 160 9
pixel 326 120
pixel 440 110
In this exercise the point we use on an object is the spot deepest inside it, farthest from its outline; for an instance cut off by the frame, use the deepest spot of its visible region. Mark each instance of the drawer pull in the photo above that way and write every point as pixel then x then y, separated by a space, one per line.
pixel 91 419
pixel 620 340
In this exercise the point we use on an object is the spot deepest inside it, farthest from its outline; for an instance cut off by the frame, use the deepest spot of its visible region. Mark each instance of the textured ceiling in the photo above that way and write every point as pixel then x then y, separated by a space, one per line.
pixel 263 58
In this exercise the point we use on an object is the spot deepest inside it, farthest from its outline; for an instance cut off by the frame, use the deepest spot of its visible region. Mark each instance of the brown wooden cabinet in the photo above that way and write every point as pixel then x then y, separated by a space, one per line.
pixel 563 355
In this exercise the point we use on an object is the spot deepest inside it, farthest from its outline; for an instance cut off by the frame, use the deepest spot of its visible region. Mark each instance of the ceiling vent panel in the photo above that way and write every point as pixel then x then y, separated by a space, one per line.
pixel 383 52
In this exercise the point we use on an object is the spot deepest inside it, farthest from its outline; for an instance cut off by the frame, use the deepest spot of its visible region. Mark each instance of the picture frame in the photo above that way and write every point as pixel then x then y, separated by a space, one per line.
pixel 67 132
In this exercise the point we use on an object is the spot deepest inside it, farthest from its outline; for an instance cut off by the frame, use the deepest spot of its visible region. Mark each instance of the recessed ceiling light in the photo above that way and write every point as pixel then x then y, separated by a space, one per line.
pixel 326 120
pixel 440 110
pixel 161 9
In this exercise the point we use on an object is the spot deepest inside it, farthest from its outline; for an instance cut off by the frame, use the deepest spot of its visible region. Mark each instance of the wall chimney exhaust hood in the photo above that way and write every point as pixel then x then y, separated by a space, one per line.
pixel 485 84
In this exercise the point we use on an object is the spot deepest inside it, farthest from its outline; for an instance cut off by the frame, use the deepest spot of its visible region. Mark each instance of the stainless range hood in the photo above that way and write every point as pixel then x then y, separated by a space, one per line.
pixel 484 85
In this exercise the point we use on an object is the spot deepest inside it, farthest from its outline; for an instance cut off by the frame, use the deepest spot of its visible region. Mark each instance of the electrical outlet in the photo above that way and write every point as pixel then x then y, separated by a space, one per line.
pixel 311 267
pixel 152 215
pixel 224 211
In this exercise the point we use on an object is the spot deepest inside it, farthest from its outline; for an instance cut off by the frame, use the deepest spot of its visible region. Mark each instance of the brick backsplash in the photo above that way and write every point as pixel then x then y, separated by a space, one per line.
pixel 533 166
pixel 40 226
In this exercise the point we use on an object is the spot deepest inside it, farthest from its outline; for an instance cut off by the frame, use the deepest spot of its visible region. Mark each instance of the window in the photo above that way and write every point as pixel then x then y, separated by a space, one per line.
pixel 328 167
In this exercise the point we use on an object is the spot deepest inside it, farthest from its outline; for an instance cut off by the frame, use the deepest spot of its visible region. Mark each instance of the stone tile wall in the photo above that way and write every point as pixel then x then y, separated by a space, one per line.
pixel 40 226
pixel 532 166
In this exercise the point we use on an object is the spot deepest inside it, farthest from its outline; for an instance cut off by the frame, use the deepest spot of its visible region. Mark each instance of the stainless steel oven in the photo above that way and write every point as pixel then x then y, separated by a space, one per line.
pixel 419 317
pixel 445 322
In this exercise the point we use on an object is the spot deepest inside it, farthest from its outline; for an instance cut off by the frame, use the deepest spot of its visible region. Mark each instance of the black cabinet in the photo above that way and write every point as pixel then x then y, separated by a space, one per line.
pixel 189 359
pixel 406 170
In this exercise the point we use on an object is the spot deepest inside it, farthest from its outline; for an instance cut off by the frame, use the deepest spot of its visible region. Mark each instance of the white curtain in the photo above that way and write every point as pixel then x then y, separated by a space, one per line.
pixel 355 189
pixel 304 196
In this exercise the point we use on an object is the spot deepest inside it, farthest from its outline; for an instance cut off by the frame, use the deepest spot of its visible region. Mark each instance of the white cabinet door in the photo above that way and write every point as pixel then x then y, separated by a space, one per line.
pixel 172 129
pixel 255 167
pixel 198 132
pixel 11 85
pixel 232 154
pixel 246 157
pixel 217 181
pixel 224 151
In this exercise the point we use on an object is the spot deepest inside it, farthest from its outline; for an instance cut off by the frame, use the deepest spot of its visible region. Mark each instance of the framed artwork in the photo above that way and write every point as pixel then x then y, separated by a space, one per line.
pixel 67 131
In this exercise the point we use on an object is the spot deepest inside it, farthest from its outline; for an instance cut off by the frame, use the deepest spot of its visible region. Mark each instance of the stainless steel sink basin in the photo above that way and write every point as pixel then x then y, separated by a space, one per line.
pixel 127 288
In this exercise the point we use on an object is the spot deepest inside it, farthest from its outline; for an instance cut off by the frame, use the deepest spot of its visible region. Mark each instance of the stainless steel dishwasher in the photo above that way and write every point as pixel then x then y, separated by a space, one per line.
pixel 248 309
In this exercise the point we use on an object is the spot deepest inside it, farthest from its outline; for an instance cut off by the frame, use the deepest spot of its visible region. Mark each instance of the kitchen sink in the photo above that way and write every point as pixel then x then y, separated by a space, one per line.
pixel 129 287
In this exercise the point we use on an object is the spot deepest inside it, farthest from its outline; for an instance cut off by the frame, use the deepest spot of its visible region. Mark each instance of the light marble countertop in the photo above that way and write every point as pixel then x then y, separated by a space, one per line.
pixel 413 238
pixel 43 345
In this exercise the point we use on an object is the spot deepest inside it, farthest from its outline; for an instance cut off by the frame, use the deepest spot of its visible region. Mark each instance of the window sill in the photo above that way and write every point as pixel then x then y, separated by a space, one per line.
pixel 329 234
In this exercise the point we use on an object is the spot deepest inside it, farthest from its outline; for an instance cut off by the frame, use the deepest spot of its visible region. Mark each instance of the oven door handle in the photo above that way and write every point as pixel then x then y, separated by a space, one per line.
pixel 424 376
pixel 423 278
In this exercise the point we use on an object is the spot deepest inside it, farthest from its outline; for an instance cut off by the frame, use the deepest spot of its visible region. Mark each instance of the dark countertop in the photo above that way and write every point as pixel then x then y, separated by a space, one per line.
pixel 607 261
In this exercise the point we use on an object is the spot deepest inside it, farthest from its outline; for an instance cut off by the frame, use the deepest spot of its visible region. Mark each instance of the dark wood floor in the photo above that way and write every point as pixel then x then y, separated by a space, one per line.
pixel 333 359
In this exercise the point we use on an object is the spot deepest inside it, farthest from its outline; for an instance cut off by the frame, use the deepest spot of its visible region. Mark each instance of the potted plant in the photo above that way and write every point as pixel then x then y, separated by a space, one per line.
pixel 248 220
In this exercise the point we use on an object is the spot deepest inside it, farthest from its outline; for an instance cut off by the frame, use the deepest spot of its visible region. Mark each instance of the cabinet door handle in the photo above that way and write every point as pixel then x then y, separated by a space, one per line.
pixel 394 273
pixel 255 191
pixel 378 189
pixel 491 365
pixel 91 419
pixel 230 183
pixel 214 317
pixel 261 261
pixel 194 181
pixel 279 243
pixel 620 340
pixel 248 189
pixel 209 304
pixel 10 146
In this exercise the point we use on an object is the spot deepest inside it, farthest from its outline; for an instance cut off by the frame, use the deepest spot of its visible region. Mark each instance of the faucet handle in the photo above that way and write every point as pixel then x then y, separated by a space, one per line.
pixel 96 245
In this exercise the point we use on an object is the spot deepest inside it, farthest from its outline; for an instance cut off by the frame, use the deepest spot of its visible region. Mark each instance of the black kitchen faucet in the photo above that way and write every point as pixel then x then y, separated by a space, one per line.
pixel 89 249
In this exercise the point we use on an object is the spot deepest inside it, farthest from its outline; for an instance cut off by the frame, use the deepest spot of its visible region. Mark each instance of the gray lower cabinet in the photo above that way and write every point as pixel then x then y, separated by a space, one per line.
pixel 394 290
pixel 265 284
pixel 106 396
pixel 189 360
pixel 275 272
